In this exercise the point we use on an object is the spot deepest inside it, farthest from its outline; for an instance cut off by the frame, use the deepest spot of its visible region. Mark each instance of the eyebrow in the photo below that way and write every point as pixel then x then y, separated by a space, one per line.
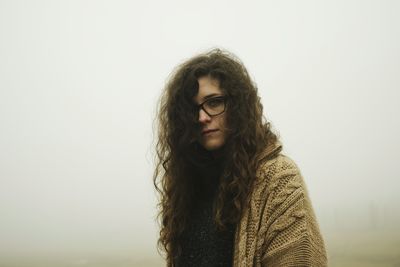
pixel 210 96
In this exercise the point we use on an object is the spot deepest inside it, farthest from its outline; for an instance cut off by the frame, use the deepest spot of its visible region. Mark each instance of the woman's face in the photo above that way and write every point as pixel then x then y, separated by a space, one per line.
pixel 213 132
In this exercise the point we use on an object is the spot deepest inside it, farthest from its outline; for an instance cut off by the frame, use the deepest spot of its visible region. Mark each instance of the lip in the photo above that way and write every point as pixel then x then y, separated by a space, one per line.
pixel 204 132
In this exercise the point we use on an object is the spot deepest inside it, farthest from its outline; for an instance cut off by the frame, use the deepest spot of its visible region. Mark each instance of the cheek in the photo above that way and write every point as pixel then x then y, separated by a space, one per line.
pixel 222 123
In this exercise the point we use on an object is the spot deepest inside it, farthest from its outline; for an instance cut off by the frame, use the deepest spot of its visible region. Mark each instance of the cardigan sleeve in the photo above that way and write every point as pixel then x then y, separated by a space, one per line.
pixel 292 236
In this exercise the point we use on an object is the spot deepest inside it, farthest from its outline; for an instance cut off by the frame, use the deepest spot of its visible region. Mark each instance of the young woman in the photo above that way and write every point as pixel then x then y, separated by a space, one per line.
pixel 228 196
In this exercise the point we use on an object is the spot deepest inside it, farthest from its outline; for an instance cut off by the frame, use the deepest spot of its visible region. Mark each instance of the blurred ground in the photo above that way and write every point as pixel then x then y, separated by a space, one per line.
pixel 366 249
pixel 345 249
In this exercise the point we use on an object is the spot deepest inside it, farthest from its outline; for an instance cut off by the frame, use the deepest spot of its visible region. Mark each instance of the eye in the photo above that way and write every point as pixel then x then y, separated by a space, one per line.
pixel 215 102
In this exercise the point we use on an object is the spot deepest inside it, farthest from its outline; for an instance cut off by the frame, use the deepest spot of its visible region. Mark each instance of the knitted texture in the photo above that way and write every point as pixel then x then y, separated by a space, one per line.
pixel 279 227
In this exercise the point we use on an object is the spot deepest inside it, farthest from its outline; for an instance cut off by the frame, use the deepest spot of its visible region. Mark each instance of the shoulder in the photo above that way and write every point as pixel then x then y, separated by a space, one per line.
pixel 273 163
pixel 288 229
pixel 281 187
pixel 289 226
pixel 279 171
pixel 280 162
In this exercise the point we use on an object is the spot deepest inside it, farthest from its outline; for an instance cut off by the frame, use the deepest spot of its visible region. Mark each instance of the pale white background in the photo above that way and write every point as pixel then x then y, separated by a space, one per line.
pixel 79 83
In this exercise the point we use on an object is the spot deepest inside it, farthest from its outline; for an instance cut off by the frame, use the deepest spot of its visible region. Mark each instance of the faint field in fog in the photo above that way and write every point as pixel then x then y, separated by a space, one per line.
pixel 345 249
pixel 366 249
pixel 73 261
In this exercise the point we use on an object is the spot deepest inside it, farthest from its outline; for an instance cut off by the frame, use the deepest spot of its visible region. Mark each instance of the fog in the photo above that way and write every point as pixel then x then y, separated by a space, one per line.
pixel 79 84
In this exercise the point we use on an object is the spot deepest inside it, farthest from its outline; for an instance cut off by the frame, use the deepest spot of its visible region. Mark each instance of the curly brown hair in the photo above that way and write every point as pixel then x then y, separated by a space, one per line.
pixel 177 152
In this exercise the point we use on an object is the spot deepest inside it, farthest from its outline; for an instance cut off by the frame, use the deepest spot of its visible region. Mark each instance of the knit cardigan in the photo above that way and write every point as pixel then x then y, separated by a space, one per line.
pixel 279 227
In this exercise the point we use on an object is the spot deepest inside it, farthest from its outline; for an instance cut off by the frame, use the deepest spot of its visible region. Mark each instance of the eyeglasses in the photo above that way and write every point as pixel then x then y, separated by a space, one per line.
pixel 213 106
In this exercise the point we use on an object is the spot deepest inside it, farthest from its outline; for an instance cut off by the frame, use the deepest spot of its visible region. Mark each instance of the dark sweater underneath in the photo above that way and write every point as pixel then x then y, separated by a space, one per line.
pixel 202 243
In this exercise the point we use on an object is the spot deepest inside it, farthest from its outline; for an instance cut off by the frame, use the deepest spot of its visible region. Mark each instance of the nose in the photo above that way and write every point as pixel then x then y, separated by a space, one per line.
pixel 203 116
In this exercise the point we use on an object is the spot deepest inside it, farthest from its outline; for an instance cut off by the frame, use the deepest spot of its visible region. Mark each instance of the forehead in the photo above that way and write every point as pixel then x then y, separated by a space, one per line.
pixel 208 87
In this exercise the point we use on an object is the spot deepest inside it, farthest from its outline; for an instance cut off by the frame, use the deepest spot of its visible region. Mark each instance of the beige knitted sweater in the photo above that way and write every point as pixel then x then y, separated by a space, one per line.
pixel 279 227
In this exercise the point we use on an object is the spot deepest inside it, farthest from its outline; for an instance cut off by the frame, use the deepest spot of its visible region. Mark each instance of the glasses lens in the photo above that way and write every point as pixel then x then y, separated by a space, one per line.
pixel 215 106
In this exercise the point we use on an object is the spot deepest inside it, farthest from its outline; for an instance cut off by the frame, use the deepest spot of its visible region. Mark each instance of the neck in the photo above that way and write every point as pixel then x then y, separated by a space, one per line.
pixel 218 153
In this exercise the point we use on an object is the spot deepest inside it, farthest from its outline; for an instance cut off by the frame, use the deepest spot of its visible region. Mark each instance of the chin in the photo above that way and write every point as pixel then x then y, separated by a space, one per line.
pixel 211 146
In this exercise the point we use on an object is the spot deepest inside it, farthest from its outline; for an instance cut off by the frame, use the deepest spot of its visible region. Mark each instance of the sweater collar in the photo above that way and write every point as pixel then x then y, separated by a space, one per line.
pixel 270 151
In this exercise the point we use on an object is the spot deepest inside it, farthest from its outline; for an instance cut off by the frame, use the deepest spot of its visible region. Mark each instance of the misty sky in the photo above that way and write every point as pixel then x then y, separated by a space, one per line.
pixel 79 84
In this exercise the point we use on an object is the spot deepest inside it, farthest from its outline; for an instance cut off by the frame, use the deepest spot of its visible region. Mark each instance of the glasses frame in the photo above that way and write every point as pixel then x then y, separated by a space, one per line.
pixel 201 106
